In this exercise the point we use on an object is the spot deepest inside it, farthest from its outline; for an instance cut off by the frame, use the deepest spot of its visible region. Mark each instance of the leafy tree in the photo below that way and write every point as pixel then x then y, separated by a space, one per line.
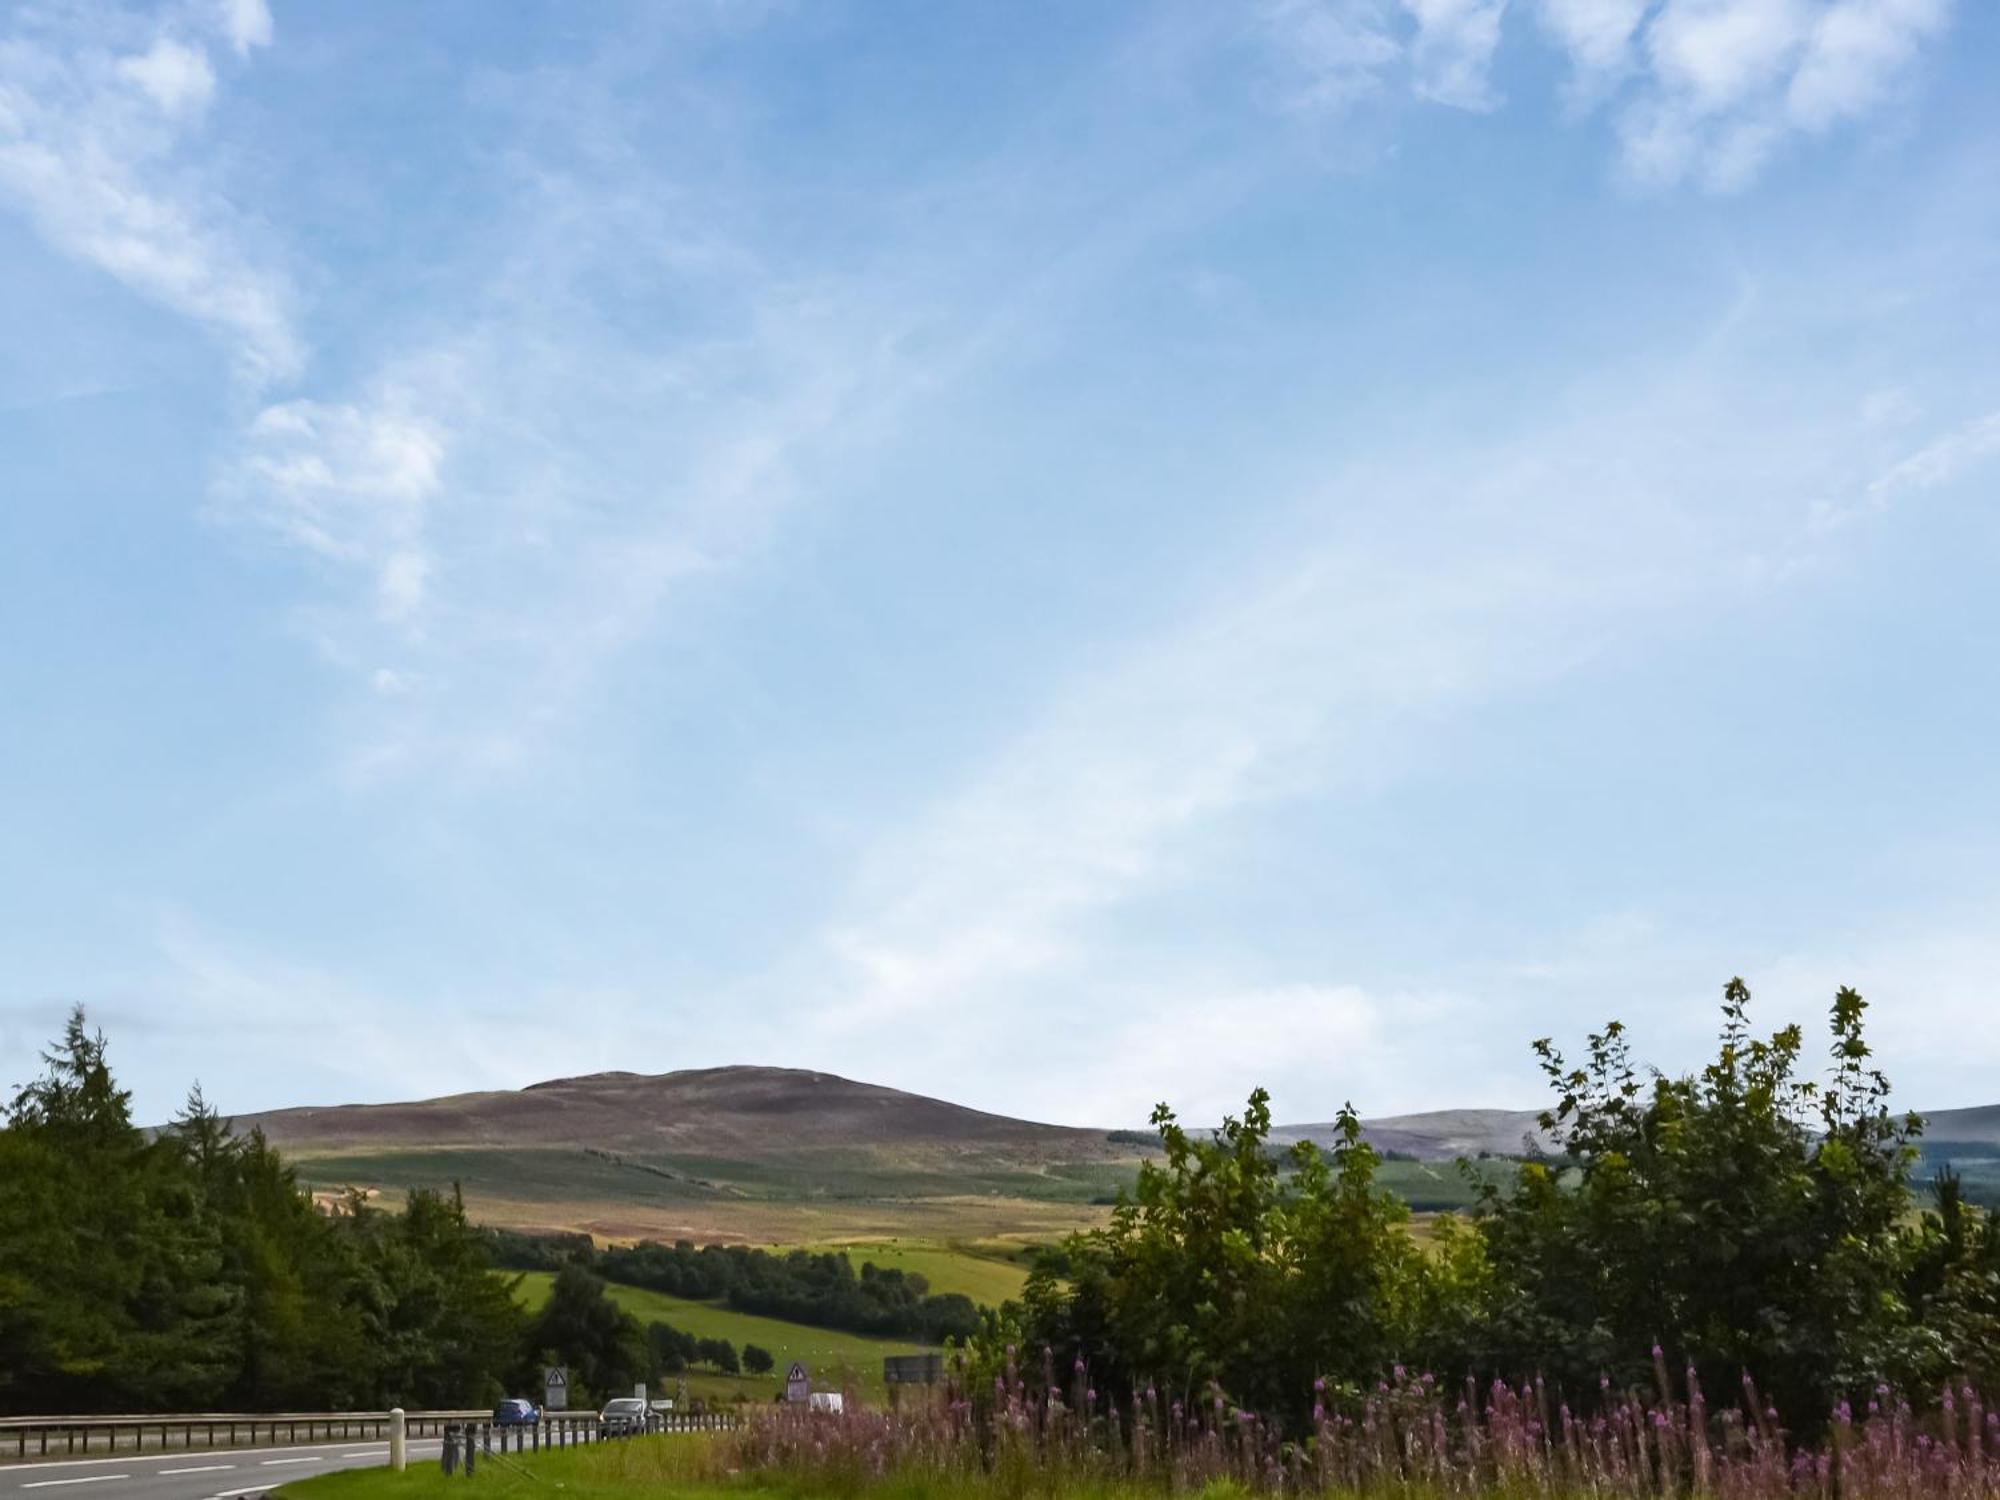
pixel 717 1352
pixel 1234 1268
pixel 758 1360
pixel 191 1271
pixel 1744 1218
pixel 605 1348
pixel 673 1350
pixel 1952 1286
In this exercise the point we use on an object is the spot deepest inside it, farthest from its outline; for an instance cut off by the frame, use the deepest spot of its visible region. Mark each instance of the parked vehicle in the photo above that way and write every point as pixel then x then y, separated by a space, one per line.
pixel 515 1413
pixel 623 1417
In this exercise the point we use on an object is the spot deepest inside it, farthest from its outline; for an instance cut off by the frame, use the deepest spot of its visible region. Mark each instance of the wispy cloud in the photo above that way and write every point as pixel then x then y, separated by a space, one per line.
pixel 1325 670
pixel 1726 82
pixel 1702 91
pixel 96 112
pixel 1451 56
pixel 1334 51
pixel 1936 462
pixel 352 485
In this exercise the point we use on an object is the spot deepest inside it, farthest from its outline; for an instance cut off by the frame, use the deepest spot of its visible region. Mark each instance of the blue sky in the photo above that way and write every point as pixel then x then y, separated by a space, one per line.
pixel 1055 555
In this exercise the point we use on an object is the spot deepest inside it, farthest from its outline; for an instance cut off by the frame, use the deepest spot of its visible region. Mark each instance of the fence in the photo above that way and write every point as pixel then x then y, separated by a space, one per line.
pixel 562 1430
pixel 76 1437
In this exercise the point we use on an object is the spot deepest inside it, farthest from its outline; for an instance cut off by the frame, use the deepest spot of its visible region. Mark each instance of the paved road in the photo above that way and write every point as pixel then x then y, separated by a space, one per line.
pixel 228 1474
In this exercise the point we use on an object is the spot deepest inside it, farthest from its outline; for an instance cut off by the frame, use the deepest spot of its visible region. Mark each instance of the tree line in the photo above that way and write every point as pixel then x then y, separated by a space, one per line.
pixel 822 1289
pixel 189 1270
pixel 1744 1222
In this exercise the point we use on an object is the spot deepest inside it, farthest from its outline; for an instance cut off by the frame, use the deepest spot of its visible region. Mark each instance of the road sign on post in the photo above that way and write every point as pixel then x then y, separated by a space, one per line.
pixel 555 1388
pixel 798 1384
pixel 912 1369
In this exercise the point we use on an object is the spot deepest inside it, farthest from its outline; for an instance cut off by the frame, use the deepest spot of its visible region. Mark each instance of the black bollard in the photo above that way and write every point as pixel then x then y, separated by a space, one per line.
pixel 471 1451
pixel 450 1451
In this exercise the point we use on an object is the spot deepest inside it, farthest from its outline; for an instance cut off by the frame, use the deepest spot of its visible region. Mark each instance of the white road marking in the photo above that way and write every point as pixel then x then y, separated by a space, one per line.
pixel 313 1460
pixel 42 1484
pixel 172 1454
pixel 198 1469
pixel 255 1489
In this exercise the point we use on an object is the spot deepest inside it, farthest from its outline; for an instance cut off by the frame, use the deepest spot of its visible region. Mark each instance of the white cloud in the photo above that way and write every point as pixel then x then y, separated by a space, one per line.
pixel 1452 53
pixel 1856 48
pixel 1597 35
pixel 1940 461
pixel 352 484
pixel 1728 81
pixel 1715 54
pixel 1705 90
pixel 1336 50
pixel 177 77
pixel 91 138
pixel 246 23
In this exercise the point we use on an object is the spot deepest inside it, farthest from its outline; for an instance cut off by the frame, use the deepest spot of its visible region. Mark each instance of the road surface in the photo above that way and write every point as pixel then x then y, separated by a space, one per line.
pixel 228 1474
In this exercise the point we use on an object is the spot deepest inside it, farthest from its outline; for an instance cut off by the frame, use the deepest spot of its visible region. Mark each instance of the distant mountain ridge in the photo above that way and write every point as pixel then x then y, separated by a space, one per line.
pixel 719 1110
pixel 789 1155
pixel 701 1109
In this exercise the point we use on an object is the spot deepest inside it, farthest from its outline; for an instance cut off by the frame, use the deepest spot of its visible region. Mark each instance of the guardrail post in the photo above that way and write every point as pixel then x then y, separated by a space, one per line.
pixel 398 1430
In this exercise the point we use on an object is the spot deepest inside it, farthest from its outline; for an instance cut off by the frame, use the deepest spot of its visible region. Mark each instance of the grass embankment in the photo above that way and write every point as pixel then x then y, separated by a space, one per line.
pixel 655 1467
pixel 678 1467
pixel 836 1360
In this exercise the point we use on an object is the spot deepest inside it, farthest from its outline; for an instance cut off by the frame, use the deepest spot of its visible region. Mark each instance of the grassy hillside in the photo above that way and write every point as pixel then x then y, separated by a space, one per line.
pixel 746 1155
pixel 987 1271
pixel 775 1156
pixel 835 1359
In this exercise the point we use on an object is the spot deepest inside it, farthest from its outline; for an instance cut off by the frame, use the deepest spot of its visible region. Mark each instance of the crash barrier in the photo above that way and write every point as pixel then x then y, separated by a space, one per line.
pixel 465 1443
pixel 79 1436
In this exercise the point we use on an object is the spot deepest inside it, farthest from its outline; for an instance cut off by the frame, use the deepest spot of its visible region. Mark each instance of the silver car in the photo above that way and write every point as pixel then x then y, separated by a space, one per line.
pixel 623 1417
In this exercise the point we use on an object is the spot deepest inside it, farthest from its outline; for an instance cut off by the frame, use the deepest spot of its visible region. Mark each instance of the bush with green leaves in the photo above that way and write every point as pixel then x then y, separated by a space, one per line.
pixel 1741 1220
pixel 1233 1268
pixel 1745 1218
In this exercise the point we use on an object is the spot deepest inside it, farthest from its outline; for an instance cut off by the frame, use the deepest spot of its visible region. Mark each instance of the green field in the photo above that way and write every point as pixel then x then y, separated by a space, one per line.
pixel 988 1271
pixel 834 1359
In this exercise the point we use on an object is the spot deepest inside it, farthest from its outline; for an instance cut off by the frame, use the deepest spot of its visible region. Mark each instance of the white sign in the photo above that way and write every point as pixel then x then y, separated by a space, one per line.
pixel 798 1384
pixel 555 1388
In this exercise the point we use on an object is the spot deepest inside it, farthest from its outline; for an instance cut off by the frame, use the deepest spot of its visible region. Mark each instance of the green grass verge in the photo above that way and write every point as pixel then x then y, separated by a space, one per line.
pixel 674 1465
pixel 835 1359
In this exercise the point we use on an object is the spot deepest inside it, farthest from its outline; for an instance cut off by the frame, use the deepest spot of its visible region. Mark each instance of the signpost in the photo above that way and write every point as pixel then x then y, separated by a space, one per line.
pixel 912 1369
pixel 798 1384
pixel 555 1388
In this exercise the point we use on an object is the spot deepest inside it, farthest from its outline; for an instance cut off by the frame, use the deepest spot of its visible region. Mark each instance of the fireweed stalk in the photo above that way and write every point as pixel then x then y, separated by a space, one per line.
pixel 1411 1436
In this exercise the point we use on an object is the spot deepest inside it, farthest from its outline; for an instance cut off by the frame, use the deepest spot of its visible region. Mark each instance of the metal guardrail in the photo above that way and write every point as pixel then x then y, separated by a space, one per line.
pixel 76 1437
pixel 566 1429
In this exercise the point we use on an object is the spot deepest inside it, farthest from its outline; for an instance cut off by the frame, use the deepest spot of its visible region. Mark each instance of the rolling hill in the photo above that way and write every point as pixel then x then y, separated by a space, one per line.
pixel 789 1156
pixel 742 1153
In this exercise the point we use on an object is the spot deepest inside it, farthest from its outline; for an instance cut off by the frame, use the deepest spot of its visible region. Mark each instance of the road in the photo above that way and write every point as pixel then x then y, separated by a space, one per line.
pixel 228 1474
